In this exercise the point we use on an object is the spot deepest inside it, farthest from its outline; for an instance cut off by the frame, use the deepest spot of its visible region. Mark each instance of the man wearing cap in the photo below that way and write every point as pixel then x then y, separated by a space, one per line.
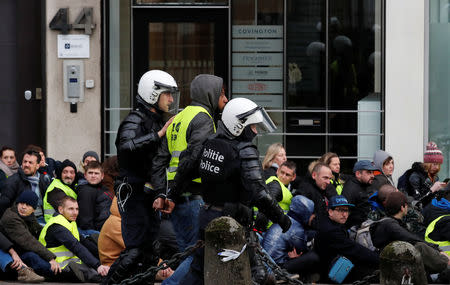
pixel 21 227
pixel 63 185
pixel 356 192
pixel 332 240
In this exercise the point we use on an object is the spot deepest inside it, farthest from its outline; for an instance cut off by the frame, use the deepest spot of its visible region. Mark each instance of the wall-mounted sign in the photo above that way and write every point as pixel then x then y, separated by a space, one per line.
pixel 257 73
pixel 246 59
pixel 266 101
pixel 73 46
pixel 260 87
pixel 258 45
pixel 256 31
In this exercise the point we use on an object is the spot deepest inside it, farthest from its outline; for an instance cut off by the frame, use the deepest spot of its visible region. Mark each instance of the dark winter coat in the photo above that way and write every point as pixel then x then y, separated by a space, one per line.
pixel 205 92
pixel 356 194
pixel 94 202
pixel 310 190
pixel 15 185
pixel 433 211
pixel 5 243
pixel 24 233
pixel 420 184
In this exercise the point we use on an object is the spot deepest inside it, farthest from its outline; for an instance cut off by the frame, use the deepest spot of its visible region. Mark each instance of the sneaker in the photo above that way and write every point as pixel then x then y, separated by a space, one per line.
pixel 27 275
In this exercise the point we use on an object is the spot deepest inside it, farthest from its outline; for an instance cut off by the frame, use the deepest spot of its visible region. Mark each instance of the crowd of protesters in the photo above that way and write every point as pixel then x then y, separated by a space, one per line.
pixel 93 223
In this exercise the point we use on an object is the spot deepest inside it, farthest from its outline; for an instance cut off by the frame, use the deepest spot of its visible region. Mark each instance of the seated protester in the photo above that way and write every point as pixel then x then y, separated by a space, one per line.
pixel 75 254
pixel 111 172
pixel 413 218
pixel 438 213
pixel 94 200
pixel 439 206
pixel 332 240
pixel 393 229
pixel 63 185
pixel 337 181
pixel 110 241
pixel 314 188
pixel 278 244
pixel 87 157
pixel 47 166
pixel 357 193
pixel 275 156
pixel 11 266
pixel 279 185
pixel 27 178
pixel 384 163
pixel 8 164
pixel 19 224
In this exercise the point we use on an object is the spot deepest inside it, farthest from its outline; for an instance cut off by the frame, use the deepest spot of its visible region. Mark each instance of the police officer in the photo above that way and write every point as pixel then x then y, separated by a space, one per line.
pixel 232 176
pixel 137 141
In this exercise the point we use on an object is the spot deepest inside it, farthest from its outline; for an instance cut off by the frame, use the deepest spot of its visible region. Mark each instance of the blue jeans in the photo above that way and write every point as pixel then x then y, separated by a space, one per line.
pixel 184 219
pixel 41 220
pixel 86 233
pixel 39 265
pixel 5 260
pixel 178 274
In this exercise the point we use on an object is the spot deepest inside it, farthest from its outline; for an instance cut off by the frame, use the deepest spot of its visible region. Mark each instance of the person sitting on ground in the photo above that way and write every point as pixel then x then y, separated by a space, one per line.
pixel 94 200
pixel 393 229
pixel 88 156
pixel 384 163
pixel 111 172
pixel 11 266
pixel 423 181
pixel 74 253
pixel 275 156
pixel 356 192
pixel 332 160
pixel 279 185
pixel 314 188
pixel 47 166
pixel 288 249
pixel 413 219
pixel 63 185
pixel 27 178
pixel 19 224
pixel 8 164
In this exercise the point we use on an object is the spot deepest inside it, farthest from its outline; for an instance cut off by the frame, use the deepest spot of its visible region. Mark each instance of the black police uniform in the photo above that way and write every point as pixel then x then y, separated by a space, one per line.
pixel 232 182
pixel 137 142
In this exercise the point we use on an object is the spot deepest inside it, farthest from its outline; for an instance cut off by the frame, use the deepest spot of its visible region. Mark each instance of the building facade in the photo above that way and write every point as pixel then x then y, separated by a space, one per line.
pixel 346 76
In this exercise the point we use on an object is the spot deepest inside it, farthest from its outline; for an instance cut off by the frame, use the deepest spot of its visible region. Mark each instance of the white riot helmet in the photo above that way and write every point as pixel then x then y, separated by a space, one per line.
pixel 155 82
pixel 241 112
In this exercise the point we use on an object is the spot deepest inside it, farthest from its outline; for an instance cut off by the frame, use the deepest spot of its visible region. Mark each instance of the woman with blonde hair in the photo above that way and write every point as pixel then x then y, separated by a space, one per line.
pixel 275 156
pixel 332 160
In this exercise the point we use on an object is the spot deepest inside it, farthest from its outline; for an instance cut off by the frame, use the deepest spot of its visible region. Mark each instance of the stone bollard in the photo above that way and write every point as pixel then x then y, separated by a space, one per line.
pixel 397 258
pixel 225 233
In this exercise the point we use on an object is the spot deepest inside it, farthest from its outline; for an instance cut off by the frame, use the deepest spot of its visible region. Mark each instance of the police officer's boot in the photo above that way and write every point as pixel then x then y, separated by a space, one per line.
pixel 123 267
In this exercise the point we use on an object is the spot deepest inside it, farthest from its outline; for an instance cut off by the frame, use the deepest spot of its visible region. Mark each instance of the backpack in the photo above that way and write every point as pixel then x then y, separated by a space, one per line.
pixel 363 234
pixel 403 181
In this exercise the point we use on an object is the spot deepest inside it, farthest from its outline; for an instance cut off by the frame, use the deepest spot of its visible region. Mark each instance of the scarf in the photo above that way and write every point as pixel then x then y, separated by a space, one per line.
pixel 442 203
pixel 34 181
pixel 9 170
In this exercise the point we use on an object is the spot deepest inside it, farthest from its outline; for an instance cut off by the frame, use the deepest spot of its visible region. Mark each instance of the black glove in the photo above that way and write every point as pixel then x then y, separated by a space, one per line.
pixel 261 222
pixel 241 213
pixel 285 223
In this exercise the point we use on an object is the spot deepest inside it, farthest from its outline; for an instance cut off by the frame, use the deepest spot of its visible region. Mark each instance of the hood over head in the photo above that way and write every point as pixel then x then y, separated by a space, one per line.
pixel 379 157
pixel 205 91
pixel 301 209
pixel 63 165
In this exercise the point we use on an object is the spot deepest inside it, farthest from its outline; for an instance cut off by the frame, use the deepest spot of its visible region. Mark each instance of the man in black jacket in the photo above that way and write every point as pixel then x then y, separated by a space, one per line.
pixel 332 240
pixel 356 192
pixel 394 229
pixel 94 200
pixel 27 178
pixel 314 188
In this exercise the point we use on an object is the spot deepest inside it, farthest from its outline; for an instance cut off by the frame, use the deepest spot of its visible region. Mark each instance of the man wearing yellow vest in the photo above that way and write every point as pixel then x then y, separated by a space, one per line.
pixel 279 186
pixel 178 155
pixel 63 185
pixel 74 254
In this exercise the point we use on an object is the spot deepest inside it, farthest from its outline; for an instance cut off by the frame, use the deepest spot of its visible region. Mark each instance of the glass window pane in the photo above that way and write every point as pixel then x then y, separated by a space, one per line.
pixel 343 123
pixel 362 146
pixel 439 84
pixel 185 50
pixel 354 52
pixel 178 2
pixel 306 54
pixel 305 122
pixel 305 145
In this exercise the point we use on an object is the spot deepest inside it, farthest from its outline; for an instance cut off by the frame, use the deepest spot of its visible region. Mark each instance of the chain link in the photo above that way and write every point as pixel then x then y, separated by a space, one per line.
pixel 151 271
pixel 366 280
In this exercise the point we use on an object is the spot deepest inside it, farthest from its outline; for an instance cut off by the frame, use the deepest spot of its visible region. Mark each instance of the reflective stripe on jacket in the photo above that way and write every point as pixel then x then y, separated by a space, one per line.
pixel 56 183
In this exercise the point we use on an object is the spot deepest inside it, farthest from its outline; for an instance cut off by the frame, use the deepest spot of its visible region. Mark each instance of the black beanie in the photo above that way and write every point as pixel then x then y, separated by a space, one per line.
pixel 28 197
pixel 90 153
pixel 63 165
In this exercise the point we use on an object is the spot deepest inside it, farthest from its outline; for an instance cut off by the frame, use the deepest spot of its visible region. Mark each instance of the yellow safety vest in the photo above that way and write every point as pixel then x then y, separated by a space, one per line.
pixel 48 209
pixel 285 200
pixel 176 137
pixel 338 185
pixel 443 245
pixel 63 255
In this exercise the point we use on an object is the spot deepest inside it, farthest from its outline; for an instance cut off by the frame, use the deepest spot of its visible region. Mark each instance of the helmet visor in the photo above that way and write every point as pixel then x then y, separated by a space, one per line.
pixel 267 125
pixel 174 91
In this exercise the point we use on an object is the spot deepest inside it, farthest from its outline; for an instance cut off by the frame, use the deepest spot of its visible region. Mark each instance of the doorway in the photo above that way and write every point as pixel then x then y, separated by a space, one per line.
pixel 184 42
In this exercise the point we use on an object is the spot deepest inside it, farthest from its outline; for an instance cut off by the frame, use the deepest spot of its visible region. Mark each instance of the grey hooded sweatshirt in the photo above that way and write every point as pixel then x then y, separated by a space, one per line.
pixel 205 92
pixel 378 158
